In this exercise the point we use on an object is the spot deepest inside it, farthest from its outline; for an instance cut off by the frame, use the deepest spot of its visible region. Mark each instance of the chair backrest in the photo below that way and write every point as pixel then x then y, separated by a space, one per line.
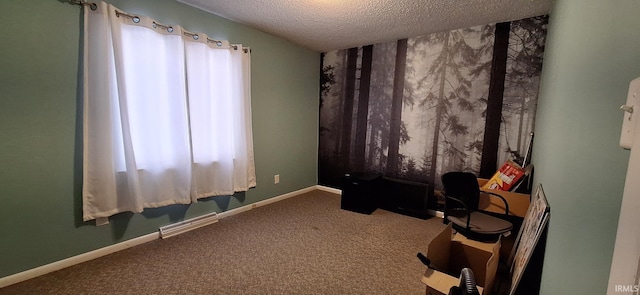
pixel 463 186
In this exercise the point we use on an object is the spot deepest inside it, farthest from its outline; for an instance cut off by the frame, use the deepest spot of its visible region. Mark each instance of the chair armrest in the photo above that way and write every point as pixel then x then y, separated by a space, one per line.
pixel 464 207
pixel 506 204
pixel 457 201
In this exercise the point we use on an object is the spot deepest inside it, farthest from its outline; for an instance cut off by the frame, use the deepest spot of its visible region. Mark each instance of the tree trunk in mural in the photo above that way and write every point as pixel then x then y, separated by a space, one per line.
pixel 393 156
pixel 345 142
pixel 521 125
pixel 363 109
pixel 382 79
pixel 489 161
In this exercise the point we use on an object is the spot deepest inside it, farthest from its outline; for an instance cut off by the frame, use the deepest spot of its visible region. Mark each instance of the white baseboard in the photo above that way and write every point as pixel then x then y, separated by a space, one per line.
pixel 58 265
pixel 54 266
pixel 329 189
pixel 435 213
pixel 266 202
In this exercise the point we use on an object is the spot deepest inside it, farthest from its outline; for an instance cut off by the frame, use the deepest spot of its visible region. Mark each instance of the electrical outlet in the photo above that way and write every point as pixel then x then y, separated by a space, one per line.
pixel 276 178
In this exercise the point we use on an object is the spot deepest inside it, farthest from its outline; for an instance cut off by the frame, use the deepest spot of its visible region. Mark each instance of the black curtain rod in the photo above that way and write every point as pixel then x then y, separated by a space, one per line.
pixel 94 6
pixel 91 5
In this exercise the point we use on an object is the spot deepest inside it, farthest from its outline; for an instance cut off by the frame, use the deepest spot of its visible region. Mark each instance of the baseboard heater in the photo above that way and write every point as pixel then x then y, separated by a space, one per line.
pixel 187 225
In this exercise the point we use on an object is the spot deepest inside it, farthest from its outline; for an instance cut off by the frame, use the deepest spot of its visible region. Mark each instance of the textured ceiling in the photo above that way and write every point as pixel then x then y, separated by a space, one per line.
pixel 325 25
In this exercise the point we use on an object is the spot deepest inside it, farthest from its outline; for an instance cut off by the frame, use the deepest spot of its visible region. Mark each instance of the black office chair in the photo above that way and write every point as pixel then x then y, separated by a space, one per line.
pixel 462 195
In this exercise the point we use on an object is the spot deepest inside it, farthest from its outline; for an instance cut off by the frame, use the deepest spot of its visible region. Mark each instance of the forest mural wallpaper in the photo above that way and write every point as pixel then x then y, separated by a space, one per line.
pixel 462 100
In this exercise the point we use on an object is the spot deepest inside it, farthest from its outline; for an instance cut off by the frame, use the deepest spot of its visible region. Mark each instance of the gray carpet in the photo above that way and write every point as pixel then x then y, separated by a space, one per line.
pixel 302 245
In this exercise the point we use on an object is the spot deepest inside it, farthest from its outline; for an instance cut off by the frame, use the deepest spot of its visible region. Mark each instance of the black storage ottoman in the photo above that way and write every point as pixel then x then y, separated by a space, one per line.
pixel 358 192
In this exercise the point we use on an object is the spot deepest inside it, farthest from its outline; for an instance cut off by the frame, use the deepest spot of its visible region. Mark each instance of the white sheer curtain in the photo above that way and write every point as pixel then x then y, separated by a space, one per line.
pixel 167 116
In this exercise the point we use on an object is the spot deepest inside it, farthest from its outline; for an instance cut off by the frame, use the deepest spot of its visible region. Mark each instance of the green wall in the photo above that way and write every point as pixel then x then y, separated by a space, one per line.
pixel 40 147
pixel 592 53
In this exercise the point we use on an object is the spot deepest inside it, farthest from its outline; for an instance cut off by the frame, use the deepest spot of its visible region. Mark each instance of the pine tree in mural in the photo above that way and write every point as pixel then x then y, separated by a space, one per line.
pixel 327 79
pixel 406 163
pixel 349 93
pixel 524 66
pixel 363 109
pixel 480 69
pixel 331 115
pixel 449 80
pixel 393 157
pixel 379 106
pixel 495 100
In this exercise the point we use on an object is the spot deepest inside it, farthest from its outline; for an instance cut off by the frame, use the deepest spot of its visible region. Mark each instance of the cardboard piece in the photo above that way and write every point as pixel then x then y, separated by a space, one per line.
pixel 449 254
pixel 518 203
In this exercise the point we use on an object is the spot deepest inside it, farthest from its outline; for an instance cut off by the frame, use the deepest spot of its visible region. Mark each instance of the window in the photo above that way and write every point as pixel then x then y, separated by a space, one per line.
pixel 167 116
